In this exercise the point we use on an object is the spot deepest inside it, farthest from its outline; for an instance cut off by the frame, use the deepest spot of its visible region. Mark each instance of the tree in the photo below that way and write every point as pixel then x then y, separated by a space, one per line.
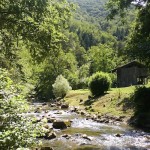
pixel 37 23
pixel 16 130
pixel 36 29
pixel 61 87
pixel 103 58
pixel 138 46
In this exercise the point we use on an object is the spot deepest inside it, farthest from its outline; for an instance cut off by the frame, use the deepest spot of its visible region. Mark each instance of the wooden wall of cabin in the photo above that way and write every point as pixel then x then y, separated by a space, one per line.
pixel 127 76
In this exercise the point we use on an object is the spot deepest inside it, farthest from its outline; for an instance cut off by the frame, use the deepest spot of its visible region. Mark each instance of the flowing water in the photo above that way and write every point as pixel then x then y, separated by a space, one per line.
pixel 100 136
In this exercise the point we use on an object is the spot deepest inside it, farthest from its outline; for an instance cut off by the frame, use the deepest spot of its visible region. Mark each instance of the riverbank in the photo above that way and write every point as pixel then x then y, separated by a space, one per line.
pixel 116 102
pixel 70 128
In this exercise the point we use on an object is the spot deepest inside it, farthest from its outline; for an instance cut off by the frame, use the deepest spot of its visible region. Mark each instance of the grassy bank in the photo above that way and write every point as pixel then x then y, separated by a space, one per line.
pixel 115 102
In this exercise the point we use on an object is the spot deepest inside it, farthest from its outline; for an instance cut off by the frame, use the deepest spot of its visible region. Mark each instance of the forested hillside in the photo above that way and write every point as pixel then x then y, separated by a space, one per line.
pixel 95 14
pixel 83 41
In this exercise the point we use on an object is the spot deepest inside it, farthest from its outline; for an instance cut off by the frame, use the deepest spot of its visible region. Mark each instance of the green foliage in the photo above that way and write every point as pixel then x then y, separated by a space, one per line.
pixel 36 23
pixel 61 87
pixel 16 130
pixel 141 105
pixel 90 34
pixel 55 64
pixel 113 77
pixel 103 58
pixel 33 40
pixel 141 99
pixel 137 45
pixel 93 28
pixel 99 83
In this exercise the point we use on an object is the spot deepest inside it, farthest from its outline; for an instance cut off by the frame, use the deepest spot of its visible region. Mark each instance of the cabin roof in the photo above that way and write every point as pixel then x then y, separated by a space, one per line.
pixel 130 64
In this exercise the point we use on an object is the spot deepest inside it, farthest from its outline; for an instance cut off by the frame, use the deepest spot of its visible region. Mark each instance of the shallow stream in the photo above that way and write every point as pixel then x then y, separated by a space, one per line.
pixel 100 136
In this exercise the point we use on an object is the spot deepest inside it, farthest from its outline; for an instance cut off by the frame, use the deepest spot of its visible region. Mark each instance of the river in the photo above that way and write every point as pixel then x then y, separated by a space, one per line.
pixel 86 134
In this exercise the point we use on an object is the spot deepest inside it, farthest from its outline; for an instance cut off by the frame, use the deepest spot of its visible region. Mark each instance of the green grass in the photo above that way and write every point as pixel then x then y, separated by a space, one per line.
pixel 114 102
pixel 127 90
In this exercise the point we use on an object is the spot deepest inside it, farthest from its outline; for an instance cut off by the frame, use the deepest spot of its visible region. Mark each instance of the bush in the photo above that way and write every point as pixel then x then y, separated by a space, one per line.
pixel 141 99
pixel 61 87
pixel 16 130
pixel 113 79
pixel 99 83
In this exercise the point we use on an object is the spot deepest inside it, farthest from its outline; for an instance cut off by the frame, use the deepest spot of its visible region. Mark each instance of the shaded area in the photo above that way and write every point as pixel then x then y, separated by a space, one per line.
pixel 91 100
pixel 126 104
pixel 141 101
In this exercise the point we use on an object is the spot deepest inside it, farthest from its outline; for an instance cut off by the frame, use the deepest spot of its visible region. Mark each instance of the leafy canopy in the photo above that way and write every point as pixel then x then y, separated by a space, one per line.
pixel 37 23
pixel 138 46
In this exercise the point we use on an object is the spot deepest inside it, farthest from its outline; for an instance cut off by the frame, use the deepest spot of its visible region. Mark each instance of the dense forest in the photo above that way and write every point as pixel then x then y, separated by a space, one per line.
pixel 44 43
pixel 87 43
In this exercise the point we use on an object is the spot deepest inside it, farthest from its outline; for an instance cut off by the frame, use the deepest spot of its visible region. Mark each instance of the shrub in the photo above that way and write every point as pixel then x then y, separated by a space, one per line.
pixel 141 100
pixel 16 130
pixel 99 83
pixel 61 87
pixel 83 84
pixel 113 79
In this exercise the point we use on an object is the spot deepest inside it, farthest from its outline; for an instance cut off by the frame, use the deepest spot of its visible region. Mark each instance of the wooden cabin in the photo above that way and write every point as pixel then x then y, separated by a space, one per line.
pixel 133 73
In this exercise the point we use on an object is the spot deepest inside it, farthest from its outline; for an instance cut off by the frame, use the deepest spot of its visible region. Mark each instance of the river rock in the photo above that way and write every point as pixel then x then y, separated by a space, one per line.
pixel 118 119
pixel 53 105
pixel 64 106
pixel 46 111
pixel 61 124
pixel 99 116
pixel 50 135
pixel 106 121
pixel 50 119
pixel 38 110
pixel 36 120
pixel 82 113
pixel 86 137
pixel 93 117
pixel 118 135
pixel 58 103
pixel 102 120
pixel 46 126
pixel 44 104
pixel 46 148
pixel 74 109
pixel 78 134
pixel 67 136
pixel 44 120
pixel 81 100
pixel 58 112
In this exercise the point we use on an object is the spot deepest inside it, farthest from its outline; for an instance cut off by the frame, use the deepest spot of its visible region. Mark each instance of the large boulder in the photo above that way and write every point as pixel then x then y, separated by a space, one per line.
pixel 59 124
